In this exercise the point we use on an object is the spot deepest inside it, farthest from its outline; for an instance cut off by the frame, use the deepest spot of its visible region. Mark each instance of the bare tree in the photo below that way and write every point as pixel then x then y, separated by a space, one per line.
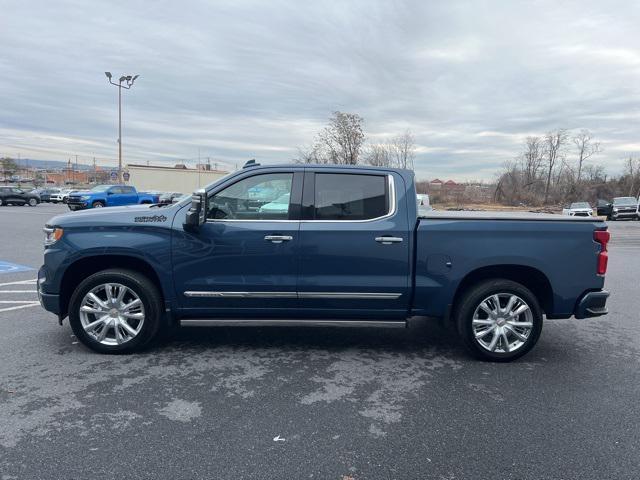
pixel 554 143
pixel 586 148
pixel 532 159
pixel 403 150
pixel 632 172
pixel 378 155
pixel 310 154
pixel 341 140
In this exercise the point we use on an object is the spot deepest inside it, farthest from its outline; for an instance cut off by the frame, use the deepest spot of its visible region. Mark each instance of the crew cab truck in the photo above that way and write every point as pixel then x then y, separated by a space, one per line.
pixel 347 249
pixel 109 196
pixel 625 207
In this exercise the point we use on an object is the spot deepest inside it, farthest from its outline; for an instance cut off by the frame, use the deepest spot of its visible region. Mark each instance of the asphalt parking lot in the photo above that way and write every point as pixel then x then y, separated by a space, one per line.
pixel 316 403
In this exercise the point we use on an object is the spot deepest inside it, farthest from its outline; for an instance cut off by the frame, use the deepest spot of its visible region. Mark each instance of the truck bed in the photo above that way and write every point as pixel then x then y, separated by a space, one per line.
pixel 558 249
pixel 486 215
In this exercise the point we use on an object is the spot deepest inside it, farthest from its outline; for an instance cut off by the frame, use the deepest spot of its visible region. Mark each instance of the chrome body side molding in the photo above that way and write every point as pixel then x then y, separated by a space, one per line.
pixel 289 322
pixel 196 294
pixel 314 295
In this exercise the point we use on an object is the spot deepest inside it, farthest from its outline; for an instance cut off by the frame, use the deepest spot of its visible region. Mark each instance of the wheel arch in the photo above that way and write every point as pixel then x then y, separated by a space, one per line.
pixel 530 277
pixel 84 267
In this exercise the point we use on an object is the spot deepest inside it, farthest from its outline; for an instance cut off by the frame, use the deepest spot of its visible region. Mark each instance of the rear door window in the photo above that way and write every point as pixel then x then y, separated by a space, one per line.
pixel 340 196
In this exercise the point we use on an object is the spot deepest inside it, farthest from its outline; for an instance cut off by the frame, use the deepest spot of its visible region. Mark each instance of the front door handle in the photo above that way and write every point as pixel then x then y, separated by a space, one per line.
pixel 388 240
pixel 278 238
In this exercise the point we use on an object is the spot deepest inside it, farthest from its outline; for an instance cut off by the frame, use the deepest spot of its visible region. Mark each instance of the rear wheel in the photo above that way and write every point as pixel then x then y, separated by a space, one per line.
pixel 115 311
pixel 33 202
pixel 499 320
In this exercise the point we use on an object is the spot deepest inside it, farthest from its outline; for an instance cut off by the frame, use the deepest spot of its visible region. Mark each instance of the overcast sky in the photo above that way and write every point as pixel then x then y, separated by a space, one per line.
pixel 244 79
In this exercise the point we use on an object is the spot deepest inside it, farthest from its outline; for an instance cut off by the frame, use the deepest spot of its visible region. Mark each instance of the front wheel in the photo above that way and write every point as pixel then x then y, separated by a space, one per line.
pixel 97 204
pixel 115 311
pixel 499 320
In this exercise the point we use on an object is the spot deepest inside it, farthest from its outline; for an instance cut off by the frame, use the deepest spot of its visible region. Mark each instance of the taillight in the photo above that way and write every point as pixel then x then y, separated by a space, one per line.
pixel 602 237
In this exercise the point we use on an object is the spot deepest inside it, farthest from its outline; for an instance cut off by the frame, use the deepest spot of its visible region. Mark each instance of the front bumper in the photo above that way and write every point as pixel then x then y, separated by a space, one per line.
pixel 49 301
pixel 627 214
pixel 77 205
pixel 592 304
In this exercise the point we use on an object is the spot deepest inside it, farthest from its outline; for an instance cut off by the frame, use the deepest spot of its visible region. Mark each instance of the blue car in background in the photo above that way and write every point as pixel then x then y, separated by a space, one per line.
pixel 109 196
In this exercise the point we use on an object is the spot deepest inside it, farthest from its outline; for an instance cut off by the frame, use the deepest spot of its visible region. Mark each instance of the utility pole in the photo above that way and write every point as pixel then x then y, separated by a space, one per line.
pixel 128 79
pixel 199 167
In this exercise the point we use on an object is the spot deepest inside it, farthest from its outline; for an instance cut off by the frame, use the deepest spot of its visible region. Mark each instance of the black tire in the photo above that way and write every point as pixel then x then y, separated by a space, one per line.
pixel 146 291
pixel 65 200
pixel 2 203
pixel 97 204
pixel 33 202
pixel 471 300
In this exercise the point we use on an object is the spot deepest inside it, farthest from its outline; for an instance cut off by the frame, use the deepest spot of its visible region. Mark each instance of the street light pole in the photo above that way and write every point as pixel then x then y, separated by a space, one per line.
pixel 128 79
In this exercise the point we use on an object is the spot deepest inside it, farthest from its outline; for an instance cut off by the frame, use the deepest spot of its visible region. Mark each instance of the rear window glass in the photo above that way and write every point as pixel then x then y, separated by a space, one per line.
pixel 350 196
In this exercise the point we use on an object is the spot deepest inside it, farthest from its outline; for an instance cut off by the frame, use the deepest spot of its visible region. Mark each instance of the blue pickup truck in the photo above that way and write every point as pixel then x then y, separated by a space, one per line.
pixel 319 246
pixel 109 196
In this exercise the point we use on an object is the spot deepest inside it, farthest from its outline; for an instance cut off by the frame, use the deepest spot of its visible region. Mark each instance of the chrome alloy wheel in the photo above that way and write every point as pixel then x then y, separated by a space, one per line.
pixel 502 323
pixel 112 314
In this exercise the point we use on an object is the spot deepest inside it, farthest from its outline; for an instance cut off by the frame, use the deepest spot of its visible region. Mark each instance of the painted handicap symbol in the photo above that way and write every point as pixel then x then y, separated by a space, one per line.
pixel 8 267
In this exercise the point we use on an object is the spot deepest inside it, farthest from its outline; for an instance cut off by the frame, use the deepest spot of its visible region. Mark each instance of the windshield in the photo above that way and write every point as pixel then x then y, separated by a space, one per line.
pixel 101 188
pixel 625 201
pixel 580 205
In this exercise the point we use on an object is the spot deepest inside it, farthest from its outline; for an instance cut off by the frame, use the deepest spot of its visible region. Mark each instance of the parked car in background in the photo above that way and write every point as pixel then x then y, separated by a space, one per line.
pixel 61 196
pixel 624 207
pixel 280 204
pixel 578 209
pixel 349 249
pixel 422 200
pixel 109 196
pixel 170 197
pixel 18 196
pixel 45 194
pixel 603 208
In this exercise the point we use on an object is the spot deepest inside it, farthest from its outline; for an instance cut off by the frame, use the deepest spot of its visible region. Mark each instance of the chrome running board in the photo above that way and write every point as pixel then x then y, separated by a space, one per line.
pixel 287 322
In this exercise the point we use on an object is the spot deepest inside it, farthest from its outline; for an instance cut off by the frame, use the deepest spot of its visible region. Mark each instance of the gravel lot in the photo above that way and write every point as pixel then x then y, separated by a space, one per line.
pixel 316 403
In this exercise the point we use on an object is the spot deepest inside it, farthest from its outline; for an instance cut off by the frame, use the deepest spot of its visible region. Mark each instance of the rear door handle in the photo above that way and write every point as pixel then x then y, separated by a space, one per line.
pixel 388 240
pixel 278 238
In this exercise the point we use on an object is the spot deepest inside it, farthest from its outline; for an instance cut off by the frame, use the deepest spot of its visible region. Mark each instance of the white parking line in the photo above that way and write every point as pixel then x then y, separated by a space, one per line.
pixel 35 304
pixel 18 291
pixel 18 301
pixel 20 282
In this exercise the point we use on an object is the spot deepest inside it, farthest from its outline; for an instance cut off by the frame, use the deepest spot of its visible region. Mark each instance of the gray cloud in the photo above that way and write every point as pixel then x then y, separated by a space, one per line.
pixel 243 79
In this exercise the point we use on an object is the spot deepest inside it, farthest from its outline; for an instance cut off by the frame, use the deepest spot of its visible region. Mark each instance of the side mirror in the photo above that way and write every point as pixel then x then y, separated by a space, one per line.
pixel 197 214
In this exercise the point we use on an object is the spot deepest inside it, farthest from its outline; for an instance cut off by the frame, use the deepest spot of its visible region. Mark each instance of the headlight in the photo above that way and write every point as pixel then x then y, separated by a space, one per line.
pixel 85 197
pixel 615 209
pixel 52 235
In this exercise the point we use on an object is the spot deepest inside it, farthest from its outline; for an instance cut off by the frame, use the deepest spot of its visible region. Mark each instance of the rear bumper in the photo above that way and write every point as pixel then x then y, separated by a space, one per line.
pixel 592 304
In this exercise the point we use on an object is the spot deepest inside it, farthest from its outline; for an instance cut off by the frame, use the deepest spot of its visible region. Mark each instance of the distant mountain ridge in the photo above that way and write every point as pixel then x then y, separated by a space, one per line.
pixel 55 164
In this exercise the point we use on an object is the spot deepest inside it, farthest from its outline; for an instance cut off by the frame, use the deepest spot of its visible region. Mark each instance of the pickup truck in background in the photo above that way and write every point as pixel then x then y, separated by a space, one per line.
pixel 319 246
pixel 109 196
pixel 624 207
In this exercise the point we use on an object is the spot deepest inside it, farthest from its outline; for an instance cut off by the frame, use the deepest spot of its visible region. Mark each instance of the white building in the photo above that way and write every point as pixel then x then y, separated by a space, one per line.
pixel 170 179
